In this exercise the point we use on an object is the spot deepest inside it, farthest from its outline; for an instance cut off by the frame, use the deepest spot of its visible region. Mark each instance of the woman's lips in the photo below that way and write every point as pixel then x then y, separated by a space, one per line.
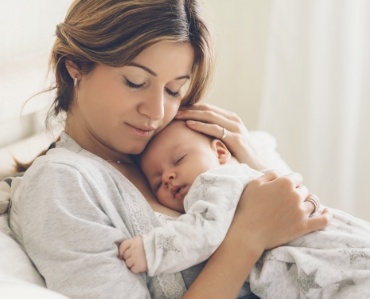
pixel 142 131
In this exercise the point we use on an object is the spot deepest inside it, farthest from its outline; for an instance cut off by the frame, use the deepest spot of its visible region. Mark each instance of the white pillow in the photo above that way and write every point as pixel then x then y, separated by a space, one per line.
pixel 13 260
pixel 266 145
pixel 24 151
pixel 11 288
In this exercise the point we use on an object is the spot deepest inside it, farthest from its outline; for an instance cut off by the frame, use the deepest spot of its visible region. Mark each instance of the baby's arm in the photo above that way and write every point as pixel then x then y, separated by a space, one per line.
pixel 132 252
pixel 194 236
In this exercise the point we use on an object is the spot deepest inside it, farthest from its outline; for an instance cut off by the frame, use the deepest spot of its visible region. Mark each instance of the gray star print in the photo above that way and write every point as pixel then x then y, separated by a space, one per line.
pixel 355 253
pixel 206 216
pixel 206 183
pixel 289 265
pixel 345 283
pixel 166 244
pixel 307 282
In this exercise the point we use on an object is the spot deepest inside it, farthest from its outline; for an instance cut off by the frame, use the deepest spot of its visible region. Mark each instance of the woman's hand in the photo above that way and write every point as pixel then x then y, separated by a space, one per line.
pixel 273 211
pixel 212 121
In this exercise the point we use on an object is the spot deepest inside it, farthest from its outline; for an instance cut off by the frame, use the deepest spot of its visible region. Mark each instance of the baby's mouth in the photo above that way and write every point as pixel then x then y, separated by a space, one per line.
pixel 178 192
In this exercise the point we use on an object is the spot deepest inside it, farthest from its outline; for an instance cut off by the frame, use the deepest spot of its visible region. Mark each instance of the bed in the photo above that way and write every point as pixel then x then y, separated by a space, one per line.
pixel 18 276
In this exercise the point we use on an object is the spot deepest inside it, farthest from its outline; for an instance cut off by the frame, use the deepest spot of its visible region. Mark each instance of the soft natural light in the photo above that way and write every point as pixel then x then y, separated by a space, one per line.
pixel 27 32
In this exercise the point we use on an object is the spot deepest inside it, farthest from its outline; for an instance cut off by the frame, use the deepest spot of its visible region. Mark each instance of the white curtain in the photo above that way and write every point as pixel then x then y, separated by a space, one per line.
pixel 317 96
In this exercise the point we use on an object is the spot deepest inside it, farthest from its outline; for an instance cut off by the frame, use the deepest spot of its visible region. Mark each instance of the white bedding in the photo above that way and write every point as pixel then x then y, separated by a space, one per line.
pixel 18 276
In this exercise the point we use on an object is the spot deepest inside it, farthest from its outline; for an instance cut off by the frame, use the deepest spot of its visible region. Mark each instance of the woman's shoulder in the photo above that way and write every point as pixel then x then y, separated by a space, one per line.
pixel 63 170
pixel 66 161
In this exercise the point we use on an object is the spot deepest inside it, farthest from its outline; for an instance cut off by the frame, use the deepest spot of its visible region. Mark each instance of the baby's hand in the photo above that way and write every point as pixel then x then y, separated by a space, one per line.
pixel 132 252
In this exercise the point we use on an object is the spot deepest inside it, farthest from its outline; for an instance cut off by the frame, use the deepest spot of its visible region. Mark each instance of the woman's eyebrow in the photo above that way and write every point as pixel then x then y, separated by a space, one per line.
pixel 154 73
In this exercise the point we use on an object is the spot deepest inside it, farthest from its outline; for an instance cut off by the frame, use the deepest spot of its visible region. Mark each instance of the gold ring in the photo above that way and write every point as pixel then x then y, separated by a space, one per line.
pixel 224 134
pixel 316 203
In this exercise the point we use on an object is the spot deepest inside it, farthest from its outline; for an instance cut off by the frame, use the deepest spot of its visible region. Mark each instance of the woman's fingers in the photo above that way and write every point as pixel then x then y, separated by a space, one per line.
pixel 214 130
pixel 281 202
pixel 211 120
pixel 268 175
pixel 197 109
pixel 295 178
pixel 319 220
pixel 225 125
pixel 313 202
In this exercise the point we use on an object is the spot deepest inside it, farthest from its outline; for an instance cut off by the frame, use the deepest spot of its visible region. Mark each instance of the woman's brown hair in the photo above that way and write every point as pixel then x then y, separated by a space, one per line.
pixel 114 32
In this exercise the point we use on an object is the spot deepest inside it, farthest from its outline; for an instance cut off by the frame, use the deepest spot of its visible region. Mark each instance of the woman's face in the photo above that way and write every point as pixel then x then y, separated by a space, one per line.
pixel 117 110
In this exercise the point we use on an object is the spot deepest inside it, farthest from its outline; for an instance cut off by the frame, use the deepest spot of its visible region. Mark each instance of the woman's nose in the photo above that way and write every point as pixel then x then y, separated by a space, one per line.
pixel 153 105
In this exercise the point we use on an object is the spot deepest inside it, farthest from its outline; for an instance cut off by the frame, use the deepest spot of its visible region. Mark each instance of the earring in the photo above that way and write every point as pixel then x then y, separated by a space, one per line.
pixel 75 82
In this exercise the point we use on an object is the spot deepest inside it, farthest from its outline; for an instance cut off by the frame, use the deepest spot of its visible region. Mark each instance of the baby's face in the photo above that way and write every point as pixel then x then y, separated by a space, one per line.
pixel 173 160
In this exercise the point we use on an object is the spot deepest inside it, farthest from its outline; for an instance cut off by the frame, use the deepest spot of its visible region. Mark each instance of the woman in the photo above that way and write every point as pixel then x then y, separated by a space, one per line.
pixel 122 69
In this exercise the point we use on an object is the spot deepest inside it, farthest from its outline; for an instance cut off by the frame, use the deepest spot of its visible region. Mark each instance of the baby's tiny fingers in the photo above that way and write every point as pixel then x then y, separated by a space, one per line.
pixel 126 254
pixel 129 263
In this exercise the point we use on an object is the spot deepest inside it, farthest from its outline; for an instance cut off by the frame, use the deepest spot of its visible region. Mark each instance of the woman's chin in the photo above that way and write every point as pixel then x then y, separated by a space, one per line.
pixel 136 150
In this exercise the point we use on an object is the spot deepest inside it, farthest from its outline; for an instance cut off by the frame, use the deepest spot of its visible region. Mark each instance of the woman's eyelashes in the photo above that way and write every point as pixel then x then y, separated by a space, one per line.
pixel 173 94
pixel 133 85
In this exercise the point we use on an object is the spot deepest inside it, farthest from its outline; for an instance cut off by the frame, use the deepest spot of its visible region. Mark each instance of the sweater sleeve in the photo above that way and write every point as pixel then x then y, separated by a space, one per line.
pixel 71 233
pixel 191 238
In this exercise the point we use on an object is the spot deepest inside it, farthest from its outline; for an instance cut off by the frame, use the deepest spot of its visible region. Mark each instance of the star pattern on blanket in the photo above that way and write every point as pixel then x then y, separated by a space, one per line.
pixel 345 283
pixel 289 265
pixel 166 244
pixel 306 282
pixel 355 253
pixel 205 216
pixel 206 183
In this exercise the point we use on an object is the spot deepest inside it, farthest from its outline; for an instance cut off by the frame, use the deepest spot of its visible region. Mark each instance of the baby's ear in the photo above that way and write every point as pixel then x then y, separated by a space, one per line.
pixel 223 154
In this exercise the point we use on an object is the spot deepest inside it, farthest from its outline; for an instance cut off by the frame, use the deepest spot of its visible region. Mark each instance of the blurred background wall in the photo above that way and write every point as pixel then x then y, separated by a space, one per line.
pixel 300 70
pixel 241 30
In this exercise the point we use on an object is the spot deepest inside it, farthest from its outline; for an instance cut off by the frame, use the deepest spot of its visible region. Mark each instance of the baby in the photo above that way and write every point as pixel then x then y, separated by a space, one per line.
pixel 197 175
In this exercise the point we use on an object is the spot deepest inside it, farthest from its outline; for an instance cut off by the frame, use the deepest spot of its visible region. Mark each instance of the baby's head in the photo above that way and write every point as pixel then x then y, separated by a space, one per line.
pixel 175 157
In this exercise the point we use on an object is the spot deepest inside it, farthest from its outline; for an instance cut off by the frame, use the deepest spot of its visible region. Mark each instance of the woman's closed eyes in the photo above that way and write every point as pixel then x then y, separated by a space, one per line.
pixel 133 85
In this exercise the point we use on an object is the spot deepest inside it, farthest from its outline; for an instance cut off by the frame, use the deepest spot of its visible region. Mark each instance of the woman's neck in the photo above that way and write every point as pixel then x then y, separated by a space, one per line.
pixel 89 142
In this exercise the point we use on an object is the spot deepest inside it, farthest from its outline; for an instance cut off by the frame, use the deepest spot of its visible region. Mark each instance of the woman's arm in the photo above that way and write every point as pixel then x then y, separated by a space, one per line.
pixel 270 213
pixel 68 234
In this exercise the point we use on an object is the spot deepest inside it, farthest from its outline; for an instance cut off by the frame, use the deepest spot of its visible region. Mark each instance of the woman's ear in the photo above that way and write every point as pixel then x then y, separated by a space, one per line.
pixel 223 154
pixel 73 70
